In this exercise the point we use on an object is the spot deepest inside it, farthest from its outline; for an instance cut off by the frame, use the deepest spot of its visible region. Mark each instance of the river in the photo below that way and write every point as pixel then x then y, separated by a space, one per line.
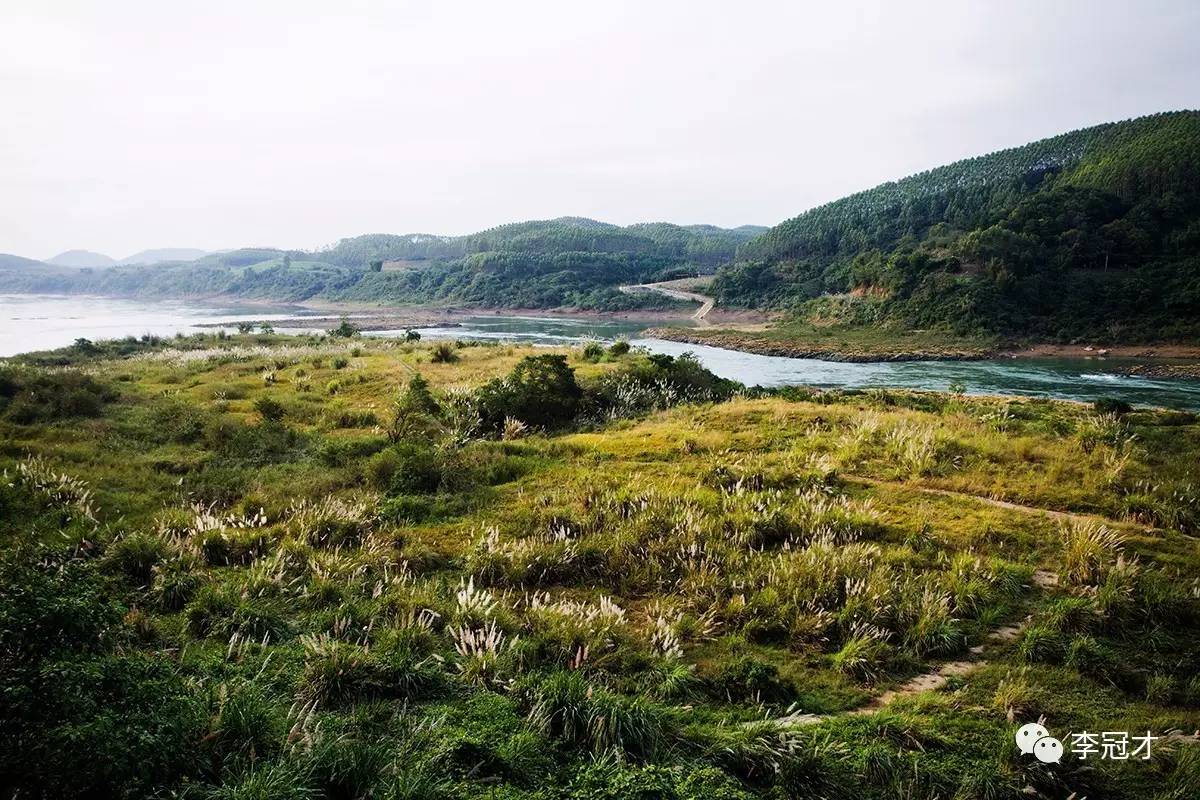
pixel 29 322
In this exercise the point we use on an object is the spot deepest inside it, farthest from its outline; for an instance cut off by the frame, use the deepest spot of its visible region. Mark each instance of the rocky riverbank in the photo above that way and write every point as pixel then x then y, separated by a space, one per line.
pixel 1163 371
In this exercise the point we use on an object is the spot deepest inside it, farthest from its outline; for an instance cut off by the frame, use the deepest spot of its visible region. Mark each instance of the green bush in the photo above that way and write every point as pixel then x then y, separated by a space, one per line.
pixel 340 452
pixel 345 330
pixel 337 673
pixel 28 396
pixel 264 443
pixel 407 468
pixel 443 353
pixel 135 556
pixel 269 409
pixel 747 679
pixel 540 391
pixel 1111 405
pixel 593 352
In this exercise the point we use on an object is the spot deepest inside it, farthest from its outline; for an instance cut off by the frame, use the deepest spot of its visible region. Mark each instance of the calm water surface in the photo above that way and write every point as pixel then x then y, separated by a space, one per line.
pixel 41 322
pixel 29 322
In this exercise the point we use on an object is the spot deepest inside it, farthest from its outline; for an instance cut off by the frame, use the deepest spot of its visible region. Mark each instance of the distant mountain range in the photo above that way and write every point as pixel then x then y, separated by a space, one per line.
pixel 563 262
pixel 87 258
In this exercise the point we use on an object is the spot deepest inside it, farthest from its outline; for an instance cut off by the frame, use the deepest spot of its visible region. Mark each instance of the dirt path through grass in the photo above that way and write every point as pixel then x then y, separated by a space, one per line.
pixel 1005 504
pixel 941 674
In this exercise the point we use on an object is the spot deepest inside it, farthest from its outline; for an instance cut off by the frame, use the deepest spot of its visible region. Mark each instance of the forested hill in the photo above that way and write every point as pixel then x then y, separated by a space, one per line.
pixel 1091 233
pixel 570 261
pixel 702 245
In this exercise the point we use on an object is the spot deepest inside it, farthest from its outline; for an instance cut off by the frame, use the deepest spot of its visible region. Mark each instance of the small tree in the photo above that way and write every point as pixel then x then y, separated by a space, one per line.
pixel 345 329
pixel 376 265
pixel 411 336
pixel 416 411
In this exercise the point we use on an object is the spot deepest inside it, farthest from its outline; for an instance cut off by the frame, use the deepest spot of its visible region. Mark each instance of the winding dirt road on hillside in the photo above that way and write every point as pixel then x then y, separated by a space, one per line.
pixel 676 290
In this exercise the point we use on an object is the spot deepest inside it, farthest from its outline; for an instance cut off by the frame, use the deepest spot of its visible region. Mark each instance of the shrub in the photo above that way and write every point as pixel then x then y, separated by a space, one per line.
pixel 443 353
pixel 341 452
pixel 224 611
pixel 1040 644
pixel 225 547
pixel 593 351
pixel 100 726
pixel 1160 689
pixel 610 779
pixel 135 556
pixel 269 409
pixel 407 468
pixel 415 413
pixel 351 418
pixel 28 396
pixel 174 583
pixel 566 707
pixel 1090 657
pixel 264 443
pixel 345 329
pixel 1111 405
pixel 176 421
pixel 337 673
pixel 49 601
pixel 247 726
pixel 540 391
pixel 618 348
pixel 746 679
pixel 274 780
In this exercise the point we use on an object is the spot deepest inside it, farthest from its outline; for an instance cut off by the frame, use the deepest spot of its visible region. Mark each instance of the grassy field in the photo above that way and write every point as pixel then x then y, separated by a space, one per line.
pixel 273 567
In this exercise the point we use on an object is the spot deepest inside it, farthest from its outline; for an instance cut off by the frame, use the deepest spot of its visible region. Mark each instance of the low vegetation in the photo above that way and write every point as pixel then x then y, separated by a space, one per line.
pixel 336 567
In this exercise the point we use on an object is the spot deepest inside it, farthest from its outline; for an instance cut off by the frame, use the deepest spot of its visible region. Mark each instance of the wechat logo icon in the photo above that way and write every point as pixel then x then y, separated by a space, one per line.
pixel 1034 738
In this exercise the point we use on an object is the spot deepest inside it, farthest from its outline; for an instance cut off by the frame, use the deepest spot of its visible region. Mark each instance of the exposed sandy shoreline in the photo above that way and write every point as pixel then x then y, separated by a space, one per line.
pixel 369 317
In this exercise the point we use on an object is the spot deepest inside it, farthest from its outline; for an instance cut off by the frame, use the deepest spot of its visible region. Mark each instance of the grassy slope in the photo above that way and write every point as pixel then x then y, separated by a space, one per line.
pixel 761 594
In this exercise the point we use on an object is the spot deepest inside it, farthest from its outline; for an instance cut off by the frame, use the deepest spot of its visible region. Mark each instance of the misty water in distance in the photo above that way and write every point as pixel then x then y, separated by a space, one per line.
pixel 30 322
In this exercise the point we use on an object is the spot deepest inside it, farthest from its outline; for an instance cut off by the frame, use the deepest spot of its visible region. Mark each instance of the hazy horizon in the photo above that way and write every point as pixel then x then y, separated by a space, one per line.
pixel 138 125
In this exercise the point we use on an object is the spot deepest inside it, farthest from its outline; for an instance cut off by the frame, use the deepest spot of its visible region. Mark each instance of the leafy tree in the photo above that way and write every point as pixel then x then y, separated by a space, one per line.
pixel 416 411
pixel 345 329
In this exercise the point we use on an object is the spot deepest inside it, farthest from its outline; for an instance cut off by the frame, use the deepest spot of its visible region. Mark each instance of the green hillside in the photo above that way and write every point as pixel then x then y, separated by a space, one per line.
pixel 568 261
pixel 1092 233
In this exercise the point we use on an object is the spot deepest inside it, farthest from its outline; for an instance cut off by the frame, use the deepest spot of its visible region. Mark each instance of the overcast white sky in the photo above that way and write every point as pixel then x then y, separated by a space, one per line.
pixel 133 124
